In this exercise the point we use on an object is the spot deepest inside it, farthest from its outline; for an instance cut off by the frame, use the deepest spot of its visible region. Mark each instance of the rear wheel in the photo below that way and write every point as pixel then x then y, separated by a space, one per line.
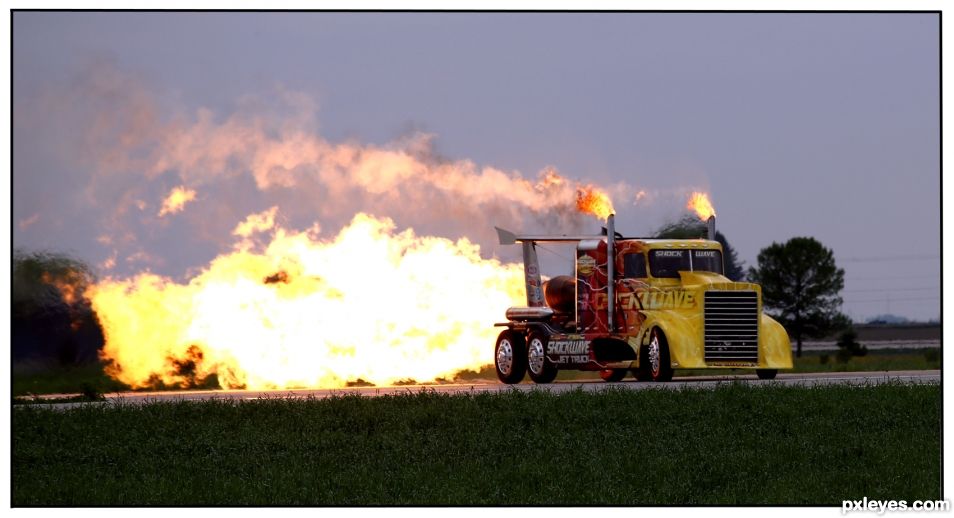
pixel 613 375
pixel 510 358
pixel 766 374
pixel 660 368
pixel 538 366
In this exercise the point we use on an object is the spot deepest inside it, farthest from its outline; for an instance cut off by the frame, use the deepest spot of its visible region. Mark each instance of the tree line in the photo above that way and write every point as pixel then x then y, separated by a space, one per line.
pixel 52 318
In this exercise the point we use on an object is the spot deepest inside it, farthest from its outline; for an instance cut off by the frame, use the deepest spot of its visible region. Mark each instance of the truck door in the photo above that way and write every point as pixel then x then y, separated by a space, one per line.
pixel 591 287
pixel 631 264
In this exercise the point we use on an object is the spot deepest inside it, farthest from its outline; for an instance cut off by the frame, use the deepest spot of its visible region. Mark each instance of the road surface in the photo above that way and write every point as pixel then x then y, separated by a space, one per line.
pixel 807 379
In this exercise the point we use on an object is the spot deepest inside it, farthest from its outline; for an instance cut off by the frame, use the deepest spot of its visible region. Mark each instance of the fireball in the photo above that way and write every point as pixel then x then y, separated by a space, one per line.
pixel 595 201
pixel 700 204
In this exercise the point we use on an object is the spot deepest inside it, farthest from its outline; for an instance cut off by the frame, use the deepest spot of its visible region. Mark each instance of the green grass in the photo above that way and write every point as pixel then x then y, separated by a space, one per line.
pixel 734 444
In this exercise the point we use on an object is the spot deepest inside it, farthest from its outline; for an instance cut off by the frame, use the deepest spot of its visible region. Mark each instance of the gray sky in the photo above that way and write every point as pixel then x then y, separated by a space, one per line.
pixel 823 125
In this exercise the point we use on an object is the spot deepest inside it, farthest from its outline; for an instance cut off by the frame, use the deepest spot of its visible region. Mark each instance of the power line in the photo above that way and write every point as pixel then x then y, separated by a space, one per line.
pixel 554 252
pixel 886 258
pixel 887 277
pixel 935 297
pixel 938 288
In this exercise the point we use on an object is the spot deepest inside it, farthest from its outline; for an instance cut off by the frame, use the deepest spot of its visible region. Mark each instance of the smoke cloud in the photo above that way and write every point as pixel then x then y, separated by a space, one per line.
pixel 147 155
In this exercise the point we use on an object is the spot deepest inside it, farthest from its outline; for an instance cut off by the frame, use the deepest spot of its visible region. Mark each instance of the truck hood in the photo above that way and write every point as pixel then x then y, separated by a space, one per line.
pixel 700 278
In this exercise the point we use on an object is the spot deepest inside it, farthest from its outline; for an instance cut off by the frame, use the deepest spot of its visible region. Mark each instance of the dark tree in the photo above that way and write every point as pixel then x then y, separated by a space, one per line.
pixel 690 227
pixel 800 287
pixel 51 315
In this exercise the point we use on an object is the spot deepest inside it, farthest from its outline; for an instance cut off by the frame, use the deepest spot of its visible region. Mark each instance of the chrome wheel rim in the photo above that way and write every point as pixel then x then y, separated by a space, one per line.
pixel 535 356
pixel 505 357
pixel 654 354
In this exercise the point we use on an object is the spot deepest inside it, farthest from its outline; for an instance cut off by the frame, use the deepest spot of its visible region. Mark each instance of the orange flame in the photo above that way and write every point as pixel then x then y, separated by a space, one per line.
pixel 699 202
pixel 372 304
pixel 593 200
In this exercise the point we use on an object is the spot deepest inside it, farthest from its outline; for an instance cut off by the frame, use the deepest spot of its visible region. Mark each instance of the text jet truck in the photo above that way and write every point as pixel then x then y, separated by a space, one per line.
pixel 658 305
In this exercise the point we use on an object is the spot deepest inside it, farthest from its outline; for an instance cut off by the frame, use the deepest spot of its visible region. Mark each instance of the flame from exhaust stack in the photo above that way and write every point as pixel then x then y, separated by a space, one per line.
pixel 593 200
pixel 699 202
pixel 372 304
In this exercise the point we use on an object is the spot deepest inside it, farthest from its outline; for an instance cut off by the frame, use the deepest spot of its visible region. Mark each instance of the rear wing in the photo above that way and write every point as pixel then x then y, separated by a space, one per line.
pixel 531 266
pixel 509 238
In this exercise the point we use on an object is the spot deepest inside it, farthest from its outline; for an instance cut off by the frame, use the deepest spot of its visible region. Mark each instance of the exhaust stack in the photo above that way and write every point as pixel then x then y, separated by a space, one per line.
pixel 610 274
pixel 710 228
pixel 531 274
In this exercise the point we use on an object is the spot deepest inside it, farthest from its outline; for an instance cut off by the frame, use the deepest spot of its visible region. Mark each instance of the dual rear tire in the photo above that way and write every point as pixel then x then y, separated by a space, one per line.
pixel 510 357
pixel 515 356
pixel 538 366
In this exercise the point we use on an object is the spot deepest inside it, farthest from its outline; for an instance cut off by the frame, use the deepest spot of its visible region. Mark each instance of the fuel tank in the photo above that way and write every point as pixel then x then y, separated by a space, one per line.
pixel 560 293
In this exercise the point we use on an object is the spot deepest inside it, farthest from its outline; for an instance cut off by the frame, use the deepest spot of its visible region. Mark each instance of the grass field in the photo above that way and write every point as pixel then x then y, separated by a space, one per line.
pixel 91 380
pixel 734 444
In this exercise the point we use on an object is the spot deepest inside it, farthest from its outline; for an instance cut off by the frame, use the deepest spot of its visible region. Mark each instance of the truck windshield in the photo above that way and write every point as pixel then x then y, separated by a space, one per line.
pixel 707 260
pixel 668 263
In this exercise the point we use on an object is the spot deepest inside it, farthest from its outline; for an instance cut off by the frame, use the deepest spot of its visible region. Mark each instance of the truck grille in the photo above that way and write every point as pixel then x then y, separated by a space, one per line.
pixel 732 326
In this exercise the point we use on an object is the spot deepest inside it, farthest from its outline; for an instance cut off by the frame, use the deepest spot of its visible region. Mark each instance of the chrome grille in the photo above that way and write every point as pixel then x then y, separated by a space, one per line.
pixel 732 326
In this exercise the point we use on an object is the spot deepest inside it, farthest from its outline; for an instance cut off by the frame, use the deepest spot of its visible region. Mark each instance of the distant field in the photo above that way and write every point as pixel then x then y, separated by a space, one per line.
pixel 730 445
pixel 913 331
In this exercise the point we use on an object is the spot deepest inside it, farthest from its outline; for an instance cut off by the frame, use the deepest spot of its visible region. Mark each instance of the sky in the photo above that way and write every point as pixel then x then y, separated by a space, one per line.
pixel 821 125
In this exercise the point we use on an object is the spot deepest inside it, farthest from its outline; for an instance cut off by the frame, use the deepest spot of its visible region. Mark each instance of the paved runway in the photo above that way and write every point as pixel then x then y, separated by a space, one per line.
pixel 807 379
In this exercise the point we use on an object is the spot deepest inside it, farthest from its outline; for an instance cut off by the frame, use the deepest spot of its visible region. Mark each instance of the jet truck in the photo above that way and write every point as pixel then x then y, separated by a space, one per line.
pixel 646 306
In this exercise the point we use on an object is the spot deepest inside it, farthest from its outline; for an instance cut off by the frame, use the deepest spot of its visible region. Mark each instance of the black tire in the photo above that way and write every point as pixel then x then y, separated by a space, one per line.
pixel 660 367
pixel 510 372
pixel 540 369
pixel 613 375
pixel 766 374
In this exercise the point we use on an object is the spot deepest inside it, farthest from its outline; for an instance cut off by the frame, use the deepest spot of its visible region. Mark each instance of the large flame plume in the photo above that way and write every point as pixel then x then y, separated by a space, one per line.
pixel 371 304
pixel 285 308
pixel 699 203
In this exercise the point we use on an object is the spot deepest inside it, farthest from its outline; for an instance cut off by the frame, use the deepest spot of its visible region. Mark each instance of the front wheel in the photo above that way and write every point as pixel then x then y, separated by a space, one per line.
pixel 766 374
pixel 660 368
pixel 539 368
pixel 510 358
